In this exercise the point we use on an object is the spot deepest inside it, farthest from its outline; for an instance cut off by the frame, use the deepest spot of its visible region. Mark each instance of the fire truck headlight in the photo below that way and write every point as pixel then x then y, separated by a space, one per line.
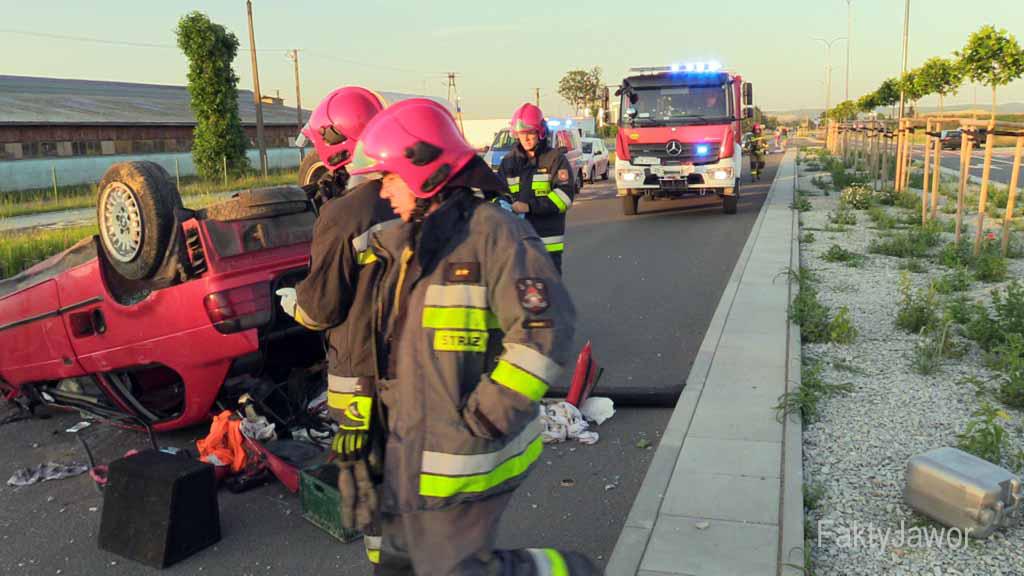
pixel 723 174
pixel 631 176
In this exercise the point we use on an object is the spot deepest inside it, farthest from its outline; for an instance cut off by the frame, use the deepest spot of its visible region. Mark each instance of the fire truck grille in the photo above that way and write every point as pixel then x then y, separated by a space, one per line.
pixel 687 153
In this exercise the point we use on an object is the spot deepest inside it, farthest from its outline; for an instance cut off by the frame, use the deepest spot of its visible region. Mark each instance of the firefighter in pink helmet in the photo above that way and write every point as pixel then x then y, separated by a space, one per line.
pixel 540 179
pixel 473 324
pixel 336 297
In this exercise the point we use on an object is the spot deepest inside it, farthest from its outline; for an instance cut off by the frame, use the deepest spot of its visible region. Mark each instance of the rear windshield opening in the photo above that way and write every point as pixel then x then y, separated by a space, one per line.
pixel 252 235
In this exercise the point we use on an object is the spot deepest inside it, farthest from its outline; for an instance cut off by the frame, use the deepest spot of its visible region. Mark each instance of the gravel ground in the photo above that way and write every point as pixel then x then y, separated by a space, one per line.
pixel 858 448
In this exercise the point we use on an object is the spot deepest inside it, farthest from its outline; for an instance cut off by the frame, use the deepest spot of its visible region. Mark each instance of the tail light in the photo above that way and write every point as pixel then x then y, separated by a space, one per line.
pixel 240 308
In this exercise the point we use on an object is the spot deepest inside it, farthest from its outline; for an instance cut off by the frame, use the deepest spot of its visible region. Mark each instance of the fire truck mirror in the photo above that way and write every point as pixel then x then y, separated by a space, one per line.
pixel 748 94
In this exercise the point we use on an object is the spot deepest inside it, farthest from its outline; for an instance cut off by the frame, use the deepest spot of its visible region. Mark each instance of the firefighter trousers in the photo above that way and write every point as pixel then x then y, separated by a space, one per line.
pixel 459 541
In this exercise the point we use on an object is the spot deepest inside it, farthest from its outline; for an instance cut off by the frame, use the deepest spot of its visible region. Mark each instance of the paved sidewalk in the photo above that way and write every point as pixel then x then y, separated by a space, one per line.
pixel 723 494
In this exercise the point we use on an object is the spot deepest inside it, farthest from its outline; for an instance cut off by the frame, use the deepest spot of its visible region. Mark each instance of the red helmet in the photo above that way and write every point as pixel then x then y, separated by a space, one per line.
pixel 528 118
pixel 336 123
pixel 418 140
pixel 756 128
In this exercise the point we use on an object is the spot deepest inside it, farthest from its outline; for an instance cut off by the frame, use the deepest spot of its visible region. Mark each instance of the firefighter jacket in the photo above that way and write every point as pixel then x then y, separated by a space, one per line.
pixel 477 325
pixel 546 182
pixel 337 294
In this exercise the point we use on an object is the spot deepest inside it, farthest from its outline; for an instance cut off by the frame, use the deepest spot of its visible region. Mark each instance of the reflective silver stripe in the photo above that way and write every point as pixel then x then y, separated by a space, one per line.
pixel 542 177
pixel 532 361
pixel 362 242
pixel 465 295
pixel 342 384
pixel 553 239
pixel 565 197
pixel 512 181
pixel 541 560
pixel 466 464
pixel 372 542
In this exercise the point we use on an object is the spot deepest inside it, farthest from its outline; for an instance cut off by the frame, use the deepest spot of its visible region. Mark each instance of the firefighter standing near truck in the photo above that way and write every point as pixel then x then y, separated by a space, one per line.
pixel 472 325
pixel 756 147
pixel 336 297
pixel 540 180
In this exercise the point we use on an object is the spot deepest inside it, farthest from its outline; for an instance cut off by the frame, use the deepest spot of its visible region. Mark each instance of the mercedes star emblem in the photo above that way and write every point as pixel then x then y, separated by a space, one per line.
pixel 674 148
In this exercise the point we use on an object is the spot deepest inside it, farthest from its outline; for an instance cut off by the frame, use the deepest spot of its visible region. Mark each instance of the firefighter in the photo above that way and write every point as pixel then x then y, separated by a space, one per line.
pixel 473 324
pixel 540 179
pixel 756 147
pixel 336 297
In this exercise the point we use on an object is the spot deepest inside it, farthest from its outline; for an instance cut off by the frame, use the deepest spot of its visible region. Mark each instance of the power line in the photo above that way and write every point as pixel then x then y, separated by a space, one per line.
pixel 113 42
pixel 333 58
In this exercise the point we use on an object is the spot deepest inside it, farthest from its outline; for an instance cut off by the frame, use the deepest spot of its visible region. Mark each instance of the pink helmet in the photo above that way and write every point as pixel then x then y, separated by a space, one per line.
pixel 528 118
pixel 418 140
pixel 339 119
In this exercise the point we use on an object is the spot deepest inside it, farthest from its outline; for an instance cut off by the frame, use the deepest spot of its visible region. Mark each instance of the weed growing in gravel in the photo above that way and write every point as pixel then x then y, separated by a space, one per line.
pixel 1009 360
pixel 913 265
pixel 857 197
pixel 930 350
pixel 842 216
pixel 814 494
pixel 847 367
pixel 991 329
pixel 989 265
pixel 805 399
pixel 908 201
pixel 837 253
pixel 948 208
pixel 909 218
pixel 912 243
pixel 985 436
pixel 806 311
pixel 881 218
pixel 955 254
pixel 917 309
pixel 801 204
pixel 959 280
pixel 841 329
pixel 960 309
pixel 807 238
pixel 835 228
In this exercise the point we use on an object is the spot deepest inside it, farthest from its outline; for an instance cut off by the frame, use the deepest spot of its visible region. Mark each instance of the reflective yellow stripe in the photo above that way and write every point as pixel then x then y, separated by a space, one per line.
pixel 444 486
pixel 515 378
pixel 365 257
pixel 541 186
pixel 460 341
pixel 542 177
pixel 513 188
pixel 356 409
pixel 532 361
pixel 559 247
pixel 558 567
pixel 444 464
pixel 372 545
pixel 459 318
pixel 558 198
pixel 373 556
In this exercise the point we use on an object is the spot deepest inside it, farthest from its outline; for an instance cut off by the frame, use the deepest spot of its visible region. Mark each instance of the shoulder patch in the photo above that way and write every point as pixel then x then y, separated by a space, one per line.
pixel 563 175
pixel 533 294
pixel 462 272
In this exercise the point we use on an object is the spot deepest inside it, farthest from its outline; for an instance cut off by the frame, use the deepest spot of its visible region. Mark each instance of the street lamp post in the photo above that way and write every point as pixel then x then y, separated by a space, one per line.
pixel 906 39
pixel 849 42
pixel 828 69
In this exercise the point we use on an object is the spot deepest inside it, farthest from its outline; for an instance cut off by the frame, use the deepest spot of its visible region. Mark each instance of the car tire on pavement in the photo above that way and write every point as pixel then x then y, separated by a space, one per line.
pixel 731 202
pixel 629 204
pixel 605 175
pixel 135 213
pixel 579 178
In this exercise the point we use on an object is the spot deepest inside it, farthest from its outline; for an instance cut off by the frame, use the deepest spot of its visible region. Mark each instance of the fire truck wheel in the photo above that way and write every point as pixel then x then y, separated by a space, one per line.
pixel 731 201
pixel 135 213
pixel 629 204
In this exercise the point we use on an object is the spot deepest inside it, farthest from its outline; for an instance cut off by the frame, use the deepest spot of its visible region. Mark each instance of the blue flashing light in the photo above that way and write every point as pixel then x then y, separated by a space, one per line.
pixel 697 67
pixel 703 149
pixel 568 122
pixel 554 123
pixel 675 67
pixel 714 66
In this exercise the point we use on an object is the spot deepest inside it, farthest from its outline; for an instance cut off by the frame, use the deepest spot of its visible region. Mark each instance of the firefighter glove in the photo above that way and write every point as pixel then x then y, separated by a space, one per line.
pixel 358 495
pixel 288 300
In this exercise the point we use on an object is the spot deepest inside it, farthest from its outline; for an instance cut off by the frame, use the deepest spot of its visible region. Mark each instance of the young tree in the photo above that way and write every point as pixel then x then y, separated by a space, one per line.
pixel 911 88
pixel 844 111
pixel 992 57
pixel 868 102
pixel 939 76
pixel 581 87
pixel 212 85
pixel 888 93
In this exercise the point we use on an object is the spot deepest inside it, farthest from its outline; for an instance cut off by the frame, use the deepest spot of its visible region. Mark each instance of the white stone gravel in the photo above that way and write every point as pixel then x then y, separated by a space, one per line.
pixel 858 449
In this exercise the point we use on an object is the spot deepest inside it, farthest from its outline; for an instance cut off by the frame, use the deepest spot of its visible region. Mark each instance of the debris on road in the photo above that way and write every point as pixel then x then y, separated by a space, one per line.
pixel 608 487
pixel 598 409
pixel 568 483
pixel 78 427
pixel 643 443
pixel 44 472
pixel 703 525
pixel 563 421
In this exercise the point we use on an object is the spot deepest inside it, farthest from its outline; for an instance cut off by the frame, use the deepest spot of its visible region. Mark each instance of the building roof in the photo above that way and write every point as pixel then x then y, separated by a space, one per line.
pixel 30 100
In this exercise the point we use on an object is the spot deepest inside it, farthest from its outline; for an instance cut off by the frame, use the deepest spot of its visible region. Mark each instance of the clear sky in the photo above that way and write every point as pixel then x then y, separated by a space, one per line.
pixel 502 50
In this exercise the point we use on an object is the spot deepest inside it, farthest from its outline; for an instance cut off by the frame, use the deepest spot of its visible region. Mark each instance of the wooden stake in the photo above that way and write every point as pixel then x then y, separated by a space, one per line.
pixel 1014 175
pixel 927 173
pixel 937 177
pixel 898 177
pixel 965 164
pixel 983 197
pixel 908 157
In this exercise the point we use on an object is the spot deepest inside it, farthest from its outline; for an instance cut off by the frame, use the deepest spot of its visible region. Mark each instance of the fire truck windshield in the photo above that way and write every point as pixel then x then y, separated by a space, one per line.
pixel 675 105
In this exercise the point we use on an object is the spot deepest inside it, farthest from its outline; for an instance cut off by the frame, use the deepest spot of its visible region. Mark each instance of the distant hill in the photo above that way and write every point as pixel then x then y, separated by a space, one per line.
pixel 805 113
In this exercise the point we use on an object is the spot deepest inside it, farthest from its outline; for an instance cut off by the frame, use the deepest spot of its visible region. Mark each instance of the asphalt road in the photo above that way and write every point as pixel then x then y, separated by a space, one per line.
pixel 645 288
pixel 1002 162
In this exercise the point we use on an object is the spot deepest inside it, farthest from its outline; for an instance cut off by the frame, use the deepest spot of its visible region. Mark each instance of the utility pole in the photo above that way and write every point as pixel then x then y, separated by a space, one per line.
pixel 256 93
pixel 454 91
pixel 906 54
pixel 849 42
pixel 294 57
pixel 536 92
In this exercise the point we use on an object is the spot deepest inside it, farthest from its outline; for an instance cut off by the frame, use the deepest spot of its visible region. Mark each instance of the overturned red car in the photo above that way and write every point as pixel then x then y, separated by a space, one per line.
pixel 167 311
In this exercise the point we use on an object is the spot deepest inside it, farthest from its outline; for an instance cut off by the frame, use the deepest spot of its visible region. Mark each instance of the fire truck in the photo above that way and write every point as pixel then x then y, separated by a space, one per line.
pixel 679 133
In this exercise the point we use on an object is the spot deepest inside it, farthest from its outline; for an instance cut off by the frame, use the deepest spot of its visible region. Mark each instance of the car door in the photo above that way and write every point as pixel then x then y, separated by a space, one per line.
pixel 602 159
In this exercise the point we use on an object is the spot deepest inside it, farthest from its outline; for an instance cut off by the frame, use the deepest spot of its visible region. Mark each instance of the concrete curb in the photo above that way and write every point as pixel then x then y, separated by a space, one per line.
pixel 637 531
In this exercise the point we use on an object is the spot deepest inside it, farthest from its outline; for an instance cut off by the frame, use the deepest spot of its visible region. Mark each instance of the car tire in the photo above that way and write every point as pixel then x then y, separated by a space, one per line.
pixel 605 175
pixel 135 214
pixel 731 202
pixel 630 204
pixel 579 178
pixel 312 169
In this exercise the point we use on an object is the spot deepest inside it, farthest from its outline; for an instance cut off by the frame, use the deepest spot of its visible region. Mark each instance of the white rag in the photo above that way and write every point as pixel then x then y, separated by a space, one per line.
pixel 258 428
pixel 598 410
pixel 563 421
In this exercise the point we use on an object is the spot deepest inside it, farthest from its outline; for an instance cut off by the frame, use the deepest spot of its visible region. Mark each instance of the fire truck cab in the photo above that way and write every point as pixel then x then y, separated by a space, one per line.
pixel 679 133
